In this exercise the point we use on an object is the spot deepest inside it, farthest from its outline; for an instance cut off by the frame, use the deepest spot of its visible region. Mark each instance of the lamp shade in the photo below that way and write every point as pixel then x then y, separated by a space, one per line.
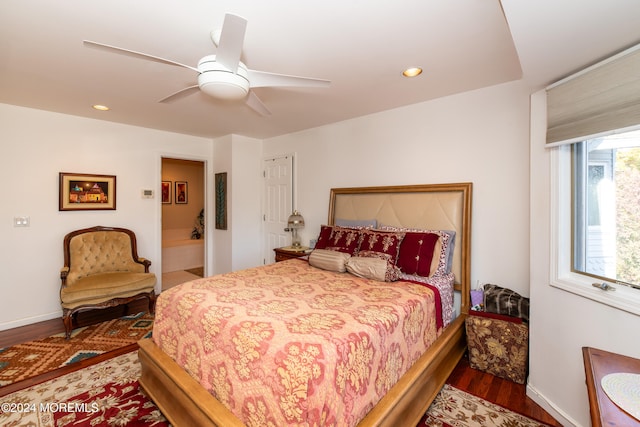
pixel 295 220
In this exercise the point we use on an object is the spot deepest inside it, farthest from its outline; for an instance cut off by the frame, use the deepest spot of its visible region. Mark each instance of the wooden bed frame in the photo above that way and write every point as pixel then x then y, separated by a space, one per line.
pixel 184 402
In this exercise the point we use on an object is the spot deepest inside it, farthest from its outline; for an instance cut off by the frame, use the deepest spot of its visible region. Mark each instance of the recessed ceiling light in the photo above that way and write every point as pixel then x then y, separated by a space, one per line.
pixel 101 107
pixel 412 72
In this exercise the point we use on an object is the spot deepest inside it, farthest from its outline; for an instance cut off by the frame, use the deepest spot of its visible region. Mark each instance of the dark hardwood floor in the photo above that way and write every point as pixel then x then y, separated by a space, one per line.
pixel 489 387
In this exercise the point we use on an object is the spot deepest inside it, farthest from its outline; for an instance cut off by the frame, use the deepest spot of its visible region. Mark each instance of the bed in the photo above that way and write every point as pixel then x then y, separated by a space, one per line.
pixel 179 385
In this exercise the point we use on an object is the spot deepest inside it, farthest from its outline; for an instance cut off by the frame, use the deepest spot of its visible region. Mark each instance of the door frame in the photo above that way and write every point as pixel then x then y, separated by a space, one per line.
pixel 208 210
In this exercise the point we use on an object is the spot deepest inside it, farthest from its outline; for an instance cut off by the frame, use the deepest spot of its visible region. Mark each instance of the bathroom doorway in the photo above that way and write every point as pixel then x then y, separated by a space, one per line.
pixel 183 237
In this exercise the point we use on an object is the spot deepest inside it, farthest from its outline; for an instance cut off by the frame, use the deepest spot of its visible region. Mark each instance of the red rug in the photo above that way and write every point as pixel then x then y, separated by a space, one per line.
pixel 114 404
pixel 104 394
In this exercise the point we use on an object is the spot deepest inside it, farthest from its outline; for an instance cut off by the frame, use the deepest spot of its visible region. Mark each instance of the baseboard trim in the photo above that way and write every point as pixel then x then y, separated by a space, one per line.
pixel 551 408
pixel 30 320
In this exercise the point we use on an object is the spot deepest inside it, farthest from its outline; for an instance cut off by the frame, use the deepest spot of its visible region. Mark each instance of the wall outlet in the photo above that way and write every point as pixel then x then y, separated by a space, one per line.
pixel 21 221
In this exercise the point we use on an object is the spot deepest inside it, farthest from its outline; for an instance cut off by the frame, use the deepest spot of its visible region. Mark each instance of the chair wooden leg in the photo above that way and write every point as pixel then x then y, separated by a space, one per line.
pixel 67 319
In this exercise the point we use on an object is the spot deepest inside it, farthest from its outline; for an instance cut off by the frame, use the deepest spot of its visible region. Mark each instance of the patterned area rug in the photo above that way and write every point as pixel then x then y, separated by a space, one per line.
pixel 456 408
pixel 33 358
pixel 105 394
pixel 108 394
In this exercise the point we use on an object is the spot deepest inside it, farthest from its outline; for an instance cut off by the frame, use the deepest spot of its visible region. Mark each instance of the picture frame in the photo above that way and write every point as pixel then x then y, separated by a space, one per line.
pixel 86 191
pixel 221 200
pixel 165 192
pixel 181 196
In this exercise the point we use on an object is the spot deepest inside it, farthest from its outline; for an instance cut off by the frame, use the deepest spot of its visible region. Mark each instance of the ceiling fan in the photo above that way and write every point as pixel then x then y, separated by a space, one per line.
pixel 223 75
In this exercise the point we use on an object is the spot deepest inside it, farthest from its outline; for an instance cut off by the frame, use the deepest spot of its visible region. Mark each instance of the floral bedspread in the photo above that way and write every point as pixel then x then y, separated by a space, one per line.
pixel 288 344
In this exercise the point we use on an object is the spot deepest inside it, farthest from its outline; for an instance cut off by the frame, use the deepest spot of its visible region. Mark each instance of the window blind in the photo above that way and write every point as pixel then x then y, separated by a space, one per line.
pixel 601 98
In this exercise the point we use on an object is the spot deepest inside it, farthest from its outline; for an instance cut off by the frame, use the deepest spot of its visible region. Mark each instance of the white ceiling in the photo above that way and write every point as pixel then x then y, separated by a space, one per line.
pixel 361 46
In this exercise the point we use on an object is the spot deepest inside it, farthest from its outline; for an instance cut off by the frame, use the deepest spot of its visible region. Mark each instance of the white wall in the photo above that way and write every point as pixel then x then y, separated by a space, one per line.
pixel 246 201
pixel 561 322
pixel 36 146
pixel 480 136
pixel 239 246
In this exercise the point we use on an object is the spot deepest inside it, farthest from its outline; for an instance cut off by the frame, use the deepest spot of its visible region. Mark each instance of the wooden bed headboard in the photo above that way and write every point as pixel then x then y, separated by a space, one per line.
pixel 434 207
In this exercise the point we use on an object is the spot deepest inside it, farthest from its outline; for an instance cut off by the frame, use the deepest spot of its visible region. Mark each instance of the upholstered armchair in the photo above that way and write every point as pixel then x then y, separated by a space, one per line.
pixel 102 269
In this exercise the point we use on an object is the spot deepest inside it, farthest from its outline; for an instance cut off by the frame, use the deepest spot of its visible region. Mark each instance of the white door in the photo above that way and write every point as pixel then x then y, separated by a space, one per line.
pixel 278 202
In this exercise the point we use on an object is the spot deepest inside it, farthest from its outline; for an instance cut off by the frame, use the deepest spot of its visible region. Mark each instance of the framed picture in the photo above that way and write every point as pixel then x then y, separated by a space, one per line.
pixel 221 200
pixel 166 192
pixel 84 191
pixel 182 193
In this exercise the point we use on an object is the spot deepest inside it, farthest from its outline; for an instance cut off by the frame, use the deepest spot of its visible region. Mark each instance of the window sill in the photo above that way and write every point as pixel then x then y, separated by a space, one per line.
pixel 623 298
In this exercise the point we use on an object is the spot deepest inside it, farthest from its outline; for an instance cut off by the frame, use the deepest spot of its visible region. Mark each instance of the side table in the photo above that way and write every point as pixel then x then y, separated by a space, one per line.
pixel 597 364
pixel 289 252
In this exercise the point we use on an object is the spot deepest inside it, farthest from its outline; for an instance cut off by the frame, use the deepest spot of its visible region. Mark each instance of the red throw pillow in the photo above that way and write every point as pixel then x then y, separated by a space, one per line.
pixel 323 238
pixel 381 241
pixel 344 239
pixel 416 253
pixel 496 316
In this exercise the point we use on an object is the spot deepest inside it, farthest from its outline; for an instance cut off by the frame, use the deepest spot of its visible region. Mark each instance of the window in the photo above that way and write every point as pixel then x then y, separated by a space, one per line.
pixel 594 237
pixel 593 133
pixel 606 208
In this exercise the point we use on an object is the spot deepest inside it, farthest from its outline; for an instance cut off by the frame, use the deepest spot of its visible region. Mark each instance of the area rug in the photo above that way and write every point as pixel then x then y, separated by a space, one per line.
pixel 34 358
pixel 455 408
pixel 105 394
pixel 108 394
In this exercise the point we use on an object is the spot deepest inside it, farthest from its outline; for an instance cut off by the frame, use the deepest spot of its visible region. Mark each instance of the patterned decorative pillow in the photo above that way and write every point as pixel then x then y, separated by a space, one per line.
pixel 417 253
pixel 505 301
pixel 443 255
pixel 373 268
pixel 344 239
pixel 329 260
pixel 323 237
pixel 383 242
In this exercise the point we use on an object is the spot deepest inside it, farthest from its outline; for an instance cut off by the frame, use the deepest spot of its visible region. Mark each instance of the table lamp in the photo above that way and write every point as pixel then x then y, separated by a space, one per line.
pixel 295 222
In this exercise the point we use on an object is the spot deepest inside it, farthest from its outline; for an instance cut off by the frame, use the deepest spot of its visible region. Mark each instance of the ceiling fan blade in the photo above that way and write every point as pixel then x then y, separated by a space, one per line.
pixel 180 94
pixel 135 54
pixel 256 104
pixel 264 79
pixel 231 41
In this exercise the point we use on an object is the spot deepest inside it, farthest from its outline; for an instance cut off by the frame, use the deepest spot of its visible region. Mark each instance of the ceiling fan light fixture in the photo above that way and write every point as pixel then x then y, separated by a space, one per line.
pixel 223 75
pixel 218 81
pixel 412 72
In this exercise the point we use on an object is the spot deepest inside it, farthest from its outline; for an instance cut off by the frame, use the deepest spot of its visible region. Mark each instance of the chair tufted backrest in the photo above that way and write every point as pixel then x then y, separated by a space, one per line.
pixel 98 252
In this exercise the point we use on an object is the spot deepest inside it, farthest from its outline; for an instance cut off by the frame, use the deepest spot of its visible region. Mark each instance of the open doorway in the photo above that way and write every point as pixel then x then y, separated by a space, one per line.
pixel 183 237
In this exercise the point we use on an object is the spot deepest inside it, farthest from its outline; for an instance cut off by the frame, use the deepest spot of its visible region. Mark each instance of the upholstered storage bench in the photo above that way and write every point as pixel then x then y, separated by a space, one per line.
pixel 498 344
pixel 102 269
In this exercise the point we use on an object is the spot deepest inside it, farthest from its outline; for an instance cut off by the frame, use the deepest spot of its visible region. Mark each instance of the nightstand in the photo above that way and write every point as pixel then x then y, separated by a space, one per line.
pixel 289 252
